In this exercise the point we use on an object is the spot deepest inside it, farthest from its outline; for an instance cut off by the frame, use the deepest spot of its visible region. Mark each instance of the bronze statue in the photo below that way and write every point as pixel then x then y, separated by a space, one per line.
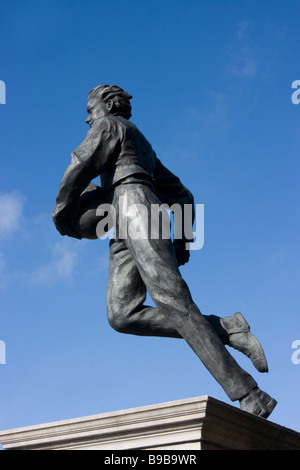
pixel 133 181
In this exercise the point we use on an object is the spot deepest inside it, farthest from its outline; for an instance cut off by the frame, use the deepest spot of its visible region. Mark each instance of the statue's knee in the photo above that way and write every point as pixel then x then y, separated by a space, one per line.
pixel 117 321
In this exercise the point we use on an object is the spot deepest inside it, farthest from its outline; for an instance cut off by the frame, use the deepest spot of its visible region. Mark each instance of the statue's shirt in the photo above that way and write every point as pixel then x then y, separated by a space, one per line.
pixel 114 149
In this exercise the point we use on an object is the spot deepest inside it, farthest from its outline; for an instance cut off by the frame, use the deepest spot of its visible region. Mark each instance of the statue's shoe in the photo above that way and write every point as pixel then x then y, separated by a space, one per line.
pixel 240 338
pixel 258 403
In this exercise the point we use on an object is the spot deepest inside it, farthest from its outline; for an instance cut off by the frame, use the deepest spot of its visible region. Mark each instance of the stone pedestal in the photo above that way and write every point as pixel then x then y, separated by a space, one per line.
pixel 201 423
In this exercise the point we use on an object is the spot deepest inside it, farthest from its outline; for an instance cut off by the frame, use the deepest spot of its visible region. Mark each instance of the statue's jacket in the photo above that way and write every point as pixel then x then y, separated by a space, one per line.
pixel 115 149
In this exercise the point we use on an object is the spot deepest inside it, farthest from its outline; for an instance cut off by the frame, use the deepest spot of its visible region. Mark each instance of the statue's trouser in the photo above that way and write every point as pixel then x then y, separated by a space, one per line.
pixel 147 264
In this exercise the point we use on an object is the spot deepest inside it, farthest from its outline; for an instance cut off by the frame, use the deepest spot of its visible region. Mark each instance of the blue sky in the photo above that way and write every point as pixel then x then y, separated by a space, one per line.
pixel 211 85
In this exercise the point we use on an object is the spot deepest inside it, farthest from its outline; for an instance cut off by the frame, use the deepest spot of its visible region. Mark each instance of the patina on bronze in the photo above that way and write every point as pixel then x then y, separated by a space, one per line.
pixel 118 153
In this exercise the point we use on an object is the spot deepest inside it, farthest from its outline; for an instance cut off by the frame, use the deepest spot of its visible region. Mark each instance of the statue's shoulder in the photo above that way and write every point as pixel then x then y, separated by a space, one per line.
pixel 108 124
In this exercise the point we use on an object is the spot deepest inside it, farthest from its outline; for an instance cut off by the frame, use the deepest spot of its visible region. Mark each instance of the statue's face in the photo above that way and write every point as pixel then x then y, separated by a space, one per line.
pixel 96 108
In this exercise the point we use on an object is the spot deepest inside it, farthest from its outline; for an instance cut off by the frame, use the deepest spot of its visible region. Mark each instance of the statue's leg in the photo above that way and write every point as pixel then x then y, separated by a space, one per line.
pixel 159 272
pixel 158 269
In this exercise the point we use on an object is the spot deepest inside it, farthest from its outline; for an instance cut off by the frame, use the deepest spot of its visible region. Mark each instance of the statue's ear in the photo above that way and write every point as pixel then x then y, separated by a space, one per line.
pixel 109 105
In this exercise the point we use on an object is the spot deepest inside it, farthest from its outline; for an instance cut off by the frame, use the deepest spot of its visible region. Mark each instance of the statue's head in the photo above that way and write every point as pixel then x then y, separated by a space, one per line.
pixel 108 99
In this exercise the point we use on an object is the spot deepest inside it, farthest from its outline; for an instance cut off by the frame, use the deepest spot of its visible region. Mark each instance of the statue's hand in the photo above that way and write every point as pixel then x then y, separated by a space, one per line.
pixel 182 254
pixel 61 218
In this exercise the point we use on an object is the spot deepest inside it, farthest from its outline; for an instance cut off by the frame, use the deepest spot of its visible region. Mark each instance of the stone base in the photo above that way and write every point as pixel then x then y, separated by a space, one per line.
pixel 201 423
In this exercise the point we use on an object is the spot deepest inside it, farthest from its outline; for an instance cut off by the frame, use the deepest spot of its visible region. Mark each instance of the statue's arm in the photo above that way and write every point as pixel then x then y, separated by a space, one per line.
pixel 87 162
pixel 171 190
pixel 169 186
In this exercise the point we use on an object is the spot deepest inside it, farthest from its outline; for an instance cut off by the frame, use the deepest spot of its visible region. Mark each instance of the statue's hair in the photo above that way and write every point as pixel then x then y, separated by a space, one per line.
pixel 121 99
